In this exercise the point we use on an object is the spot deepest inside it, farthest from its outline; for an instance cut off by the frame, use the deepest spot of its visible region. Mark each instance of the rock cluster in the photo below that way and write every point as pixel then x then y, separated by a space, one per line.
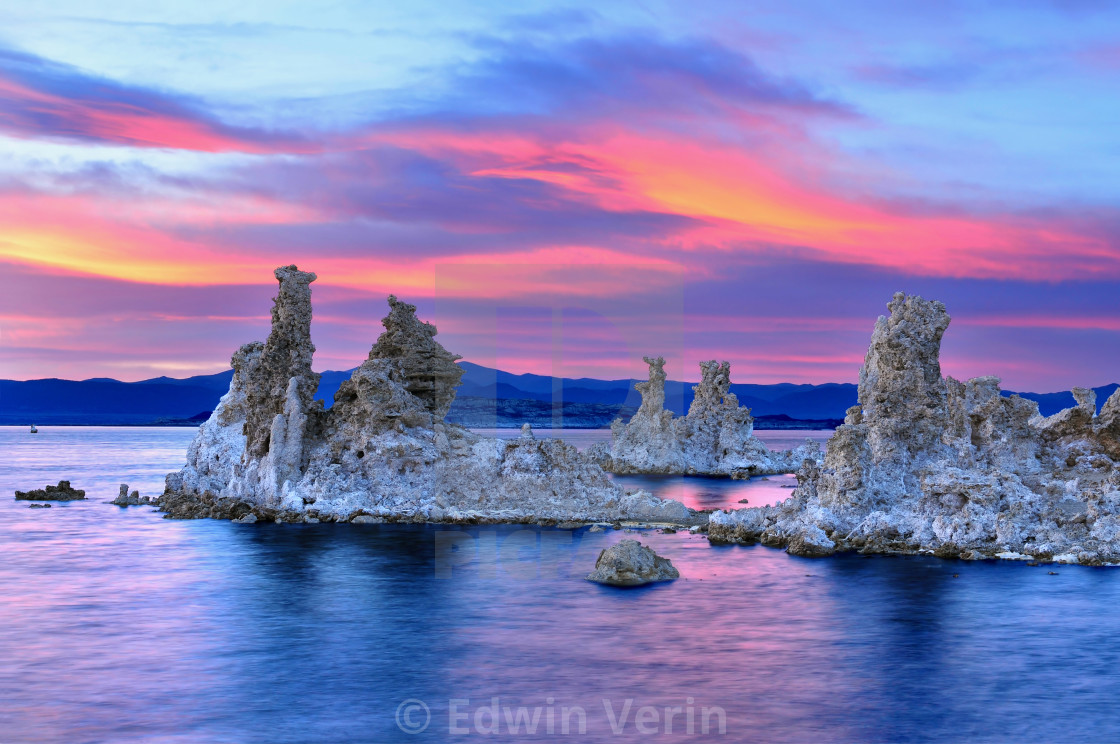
pixel 61 492
pixel 382 451
pixel 927 464
pixel 629 563
pixel 715 437
pixel 124 498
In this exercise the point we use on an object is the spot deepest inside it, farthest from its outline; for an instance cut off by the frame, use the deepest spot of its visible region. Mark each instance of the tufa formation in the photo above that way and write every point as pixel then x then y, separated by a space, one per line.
pixel 929 464
pixel 382 451
pixel 61 492
pixel 716 437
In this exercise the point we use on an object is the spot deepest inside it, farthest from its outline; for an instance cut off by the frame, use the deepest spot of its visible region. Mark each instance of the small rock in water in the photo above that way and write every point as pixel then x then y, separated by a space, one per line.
pixel 38 506
pixel 629 563
pixel 124 498
pixel 61 492
pixel 743 501
pixel 249 518
pixel 616 526
pixel 668 531
pixel 596 528
pixel 364 519
pixel 569 525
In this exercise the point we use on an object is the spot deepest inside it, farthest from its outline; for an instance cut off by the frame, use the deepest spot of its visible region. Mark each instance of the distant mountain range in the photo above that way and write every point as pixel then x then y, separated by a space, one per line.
pixel 487 398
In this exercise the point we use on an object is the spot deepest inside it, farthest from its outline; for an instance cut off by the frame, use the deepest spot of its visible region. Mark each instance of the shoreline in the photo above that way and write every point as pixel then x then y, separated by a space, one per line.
pixel 509 427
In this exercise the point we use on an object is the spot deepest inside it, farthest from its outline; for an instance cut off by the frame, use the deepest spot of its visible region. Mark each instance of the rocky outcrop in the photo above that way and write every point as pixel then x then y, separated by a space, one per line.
pixel 280 380
pixel 383 451
pixel 428 370
pixel 716 437
pixel 61 492
pixel 124 498
pixel 629 563
pixel 929 464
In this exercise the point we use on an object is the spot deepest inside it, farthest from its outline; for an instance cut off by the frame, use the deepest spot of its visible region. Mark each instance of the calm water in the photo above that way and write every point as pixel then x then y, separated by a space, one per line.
pixel 119 626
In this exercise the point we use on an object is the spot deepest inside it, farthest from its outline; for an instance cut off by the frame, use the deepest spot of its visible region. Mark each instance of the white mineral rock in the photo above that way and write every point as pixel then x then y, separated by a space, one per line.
pixel 931 464
pixel 716 437
pixel 383 451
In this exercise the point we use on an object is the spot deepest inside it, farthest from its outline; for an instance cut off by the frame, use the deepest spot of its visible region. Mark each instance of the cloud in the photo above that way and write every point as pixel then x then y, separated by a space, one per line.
pixel 49 100
pixel 618 75
pixel 1102 57
pixel 937 75
pixel 673 192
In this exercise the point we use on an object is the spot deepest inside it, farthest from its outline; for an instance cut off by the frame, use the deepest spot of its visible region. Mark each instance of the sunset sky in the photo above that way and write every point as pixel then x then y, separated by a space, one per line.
pixel 564 188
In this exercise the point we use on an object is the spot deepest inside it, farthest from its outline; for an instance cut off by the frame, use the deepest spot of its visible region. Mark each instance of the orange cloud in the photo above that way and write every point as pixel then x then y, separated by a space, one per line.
pixel 747 203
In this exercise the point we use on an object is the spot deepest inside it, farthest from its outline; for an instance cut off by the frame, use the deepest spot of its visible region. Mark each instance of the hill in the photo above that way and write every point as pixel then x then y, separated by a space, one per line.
pixel 487 398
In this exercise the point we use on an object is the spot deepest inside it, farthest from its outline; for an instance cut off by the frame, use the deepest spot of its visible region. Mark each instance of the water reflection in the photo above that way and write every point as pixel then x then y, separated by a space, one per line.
pixel 117 625
pixel 699 492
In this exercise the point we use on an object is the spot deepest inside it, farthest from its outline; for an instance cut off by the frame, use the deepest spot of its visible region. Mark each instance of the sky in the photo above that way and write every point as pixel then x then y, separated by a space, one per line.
pixel 563 188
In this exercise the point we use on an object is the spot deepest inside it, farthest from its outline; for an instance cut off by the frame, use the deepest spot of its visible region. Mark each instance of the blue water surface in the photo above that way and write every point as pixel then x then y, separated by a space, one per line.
pixel 119 626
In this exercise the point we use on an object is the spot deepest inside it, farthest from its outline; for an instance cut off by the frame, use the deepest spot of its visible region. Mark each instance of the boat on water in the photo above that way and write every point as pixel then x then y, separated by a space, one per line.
pixel 34 429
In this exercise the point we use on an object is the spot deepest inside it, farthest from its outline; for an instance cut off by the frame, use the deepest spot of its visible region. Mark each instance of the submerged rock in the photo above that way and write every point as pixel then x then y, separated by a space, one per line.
pixel 928 464
pixel 715 437
pixel 383 451
pixel 61 492
pixel 38 506
pixel 629 563
pixel 124 498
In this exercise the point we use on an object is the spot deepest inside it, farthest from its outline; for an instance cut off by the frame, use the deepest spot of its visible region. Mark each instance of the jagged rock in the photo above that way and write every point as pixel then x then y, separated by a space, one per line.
pixel 629 563
pixel 428 370
pixel 124 498
pixel 716 437
pixel 382 452
pixel 38 506
pixel 280 380
pixel 928 464
pixel 61 492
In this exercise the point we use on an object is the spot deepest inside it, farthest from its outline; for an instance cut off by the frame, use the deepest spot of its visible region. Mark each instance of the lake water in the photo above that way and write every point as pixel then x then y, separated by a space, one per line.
pixel 119 626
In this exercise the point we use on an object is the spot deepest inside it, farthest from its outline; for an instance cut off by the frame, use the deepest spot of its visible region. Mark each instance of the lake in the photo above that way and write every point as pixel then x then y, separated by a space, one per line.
pixel 119 626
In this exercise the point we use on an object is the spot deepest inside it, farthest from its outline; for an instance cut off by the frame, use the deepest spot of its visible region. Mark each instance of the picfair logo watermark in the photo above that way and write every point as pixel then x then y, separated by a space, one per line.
pixel 527 554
